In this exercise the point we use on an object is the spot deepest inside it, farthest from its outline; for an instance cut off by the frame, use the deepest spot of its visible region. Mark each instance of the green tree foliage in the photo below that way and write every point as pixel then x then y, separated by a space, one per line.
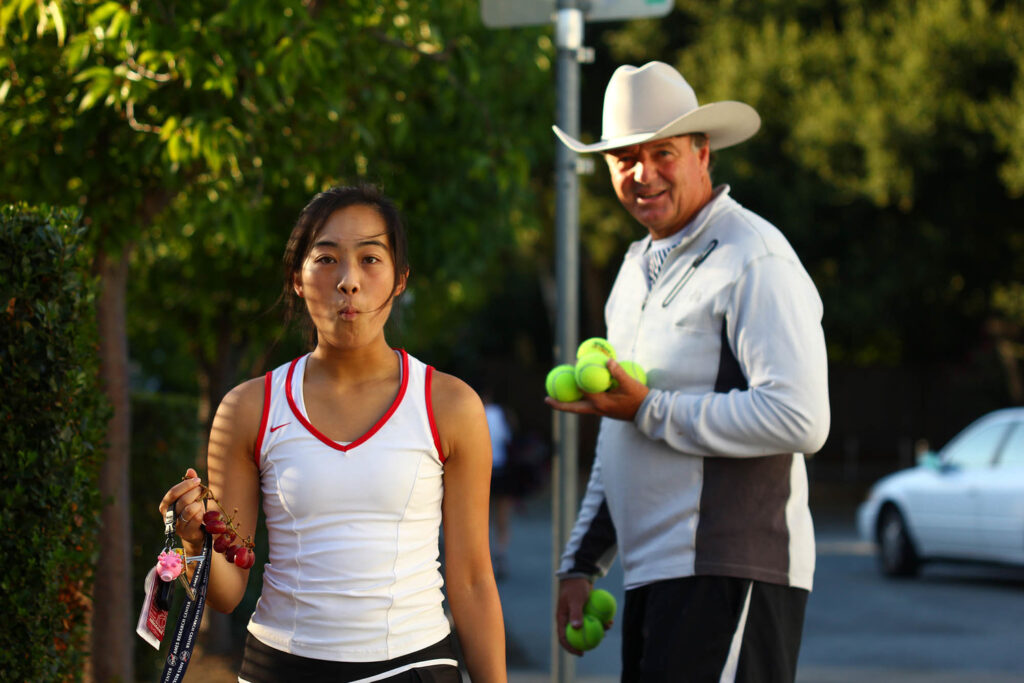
pixel 239 113
pixel 53 417
pixel 414 96
pixel 890 152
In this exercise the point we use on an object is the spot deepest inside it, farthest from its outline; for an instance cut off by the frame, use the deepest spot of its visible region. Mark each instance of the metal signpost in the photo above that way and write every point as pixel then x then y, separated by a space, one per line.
pixel 569 41
pixel 568 17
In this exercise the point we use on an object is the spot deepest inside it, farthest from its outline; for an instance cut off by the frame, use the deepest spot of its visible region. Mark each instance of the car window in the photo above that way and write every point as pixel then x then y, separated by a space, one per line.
pixel 1013 452
pixel 975 447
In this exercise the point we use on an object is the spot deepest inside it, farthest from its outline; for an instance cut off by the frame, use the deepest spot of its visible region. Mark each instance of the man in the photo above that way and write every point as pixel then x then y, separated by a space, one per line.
pixel 699 480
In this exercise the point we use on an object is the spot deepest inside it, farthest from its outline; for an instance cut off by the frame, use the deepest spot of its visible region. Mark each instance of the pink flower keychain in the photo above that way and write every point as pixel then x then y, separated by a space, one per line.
pixel 169 565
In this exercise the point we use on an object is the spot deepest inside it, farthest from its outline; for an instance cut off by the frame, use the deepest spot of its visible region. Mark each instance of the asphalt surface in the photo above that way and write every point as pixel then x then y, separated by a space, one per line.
pixel 845 639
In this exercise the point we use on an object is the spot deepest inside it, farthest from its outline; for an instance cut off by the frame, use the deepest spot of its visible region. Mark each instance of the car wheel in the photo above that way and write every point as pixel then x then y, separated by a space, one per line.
pixel 896 554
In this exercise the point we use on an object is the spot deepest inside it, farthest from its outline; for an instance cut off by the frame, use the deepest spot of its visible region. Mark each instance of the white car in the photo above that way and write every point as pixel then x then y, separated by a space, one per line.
pixel 964 503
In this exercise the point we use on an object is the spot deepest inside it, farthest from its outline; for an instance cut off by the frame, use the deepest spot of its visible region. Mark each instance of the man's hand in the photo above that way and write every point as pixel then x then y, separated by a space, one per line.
pixel 620 403
pixel 572 596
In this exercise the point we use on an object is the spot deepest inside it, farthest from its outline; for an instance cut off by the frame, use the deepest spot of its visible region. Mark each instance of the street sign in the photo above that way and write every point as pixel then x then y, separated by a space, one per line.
pixel 503 13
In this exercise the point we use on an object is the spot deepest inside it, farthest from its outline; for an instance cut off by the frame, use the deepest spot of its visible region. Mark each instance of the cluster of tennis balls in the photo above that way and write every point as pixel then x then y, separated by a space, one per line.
pixel 567 383
pixel 597 613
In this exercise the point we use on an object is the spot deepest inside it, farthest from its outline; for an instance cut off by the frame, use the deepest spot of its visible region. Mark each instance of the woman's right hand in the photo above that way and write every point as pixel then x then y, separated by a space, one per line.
pixel 187 499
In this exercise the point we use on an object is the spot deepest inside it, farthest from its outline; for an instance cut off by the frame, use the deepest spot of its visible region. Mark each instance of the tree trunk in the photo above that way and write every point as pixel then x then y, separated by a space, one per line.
pixel 113 638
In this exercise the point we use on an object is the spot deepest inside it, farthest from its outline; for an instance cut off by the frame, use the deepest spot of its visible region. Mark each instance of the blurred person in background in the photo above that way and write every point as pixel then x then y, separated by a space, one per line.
pixel 502 479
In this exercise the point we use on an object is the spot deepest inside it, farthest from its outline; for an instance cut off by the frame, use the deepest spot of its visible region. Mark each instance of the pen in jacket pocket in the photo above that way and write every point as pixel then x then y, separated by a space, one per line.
pixel 689 272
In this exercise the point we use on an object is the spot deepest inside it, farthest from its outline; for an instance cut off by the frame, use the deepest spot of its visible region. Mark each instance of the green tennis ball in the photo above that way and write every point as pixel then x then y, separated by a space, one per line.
pixel 601 605
pixel 633 370
pixel 595 344
pixel 586 638
pixel 561 384
pixel 592 375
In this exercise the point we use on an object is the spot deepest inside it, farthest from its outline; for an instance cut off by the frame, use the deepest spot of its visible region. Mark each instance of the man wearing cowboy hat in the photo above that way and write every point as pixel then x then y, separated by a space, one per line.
pixel 699 479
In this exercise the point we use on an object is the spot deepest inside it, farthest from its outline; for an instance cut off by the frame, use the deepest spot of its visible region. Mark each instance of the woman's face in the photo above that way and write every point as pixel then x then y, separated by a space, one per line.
pixel 348 278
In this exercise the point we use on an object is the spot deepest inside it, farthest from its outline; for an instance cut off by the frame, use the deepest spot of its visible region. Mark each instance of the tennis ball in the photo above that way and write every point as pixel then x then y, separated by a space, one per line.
pixel 586 638
pixel 561 384
pixel 592 375
pixel 633 370
pixel 600 605
pixel 595 344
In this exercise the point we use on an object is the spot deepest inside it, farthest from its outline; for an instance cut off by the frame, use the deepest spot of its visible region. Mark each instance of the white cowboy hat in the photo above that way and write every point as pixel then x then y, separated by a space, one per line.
pixel 654 101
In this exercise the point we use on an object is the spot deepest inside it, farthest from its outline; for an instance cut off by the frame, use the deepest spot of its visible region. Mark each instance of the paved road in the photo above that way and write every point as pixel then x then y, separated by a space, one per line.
pixel 952 625
pixel 526 599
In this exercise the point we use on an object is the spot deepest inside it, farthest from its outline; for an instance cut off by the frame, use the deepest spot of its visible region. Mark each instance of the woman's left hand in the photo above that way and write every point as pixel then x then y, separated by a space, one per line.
pixel 187 499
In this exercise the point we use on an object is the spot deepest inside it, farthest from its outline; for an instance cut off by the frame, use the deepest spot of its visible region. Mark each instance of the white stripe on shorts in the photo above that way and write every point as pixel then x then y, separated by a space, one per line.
pixel 398 670
pixel 733 660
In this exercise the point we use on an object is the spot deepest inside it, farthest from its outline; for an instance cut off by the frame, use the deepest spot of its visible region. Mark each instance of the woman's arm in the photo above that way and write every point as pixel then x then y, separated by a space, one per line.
pixel 472 592
pixel 234 480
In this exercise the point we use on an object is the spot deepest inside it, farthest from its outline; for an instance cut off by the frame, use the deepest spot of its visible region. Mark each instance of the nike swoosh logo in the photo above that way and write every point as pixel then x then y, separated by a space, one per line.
pixel 274 429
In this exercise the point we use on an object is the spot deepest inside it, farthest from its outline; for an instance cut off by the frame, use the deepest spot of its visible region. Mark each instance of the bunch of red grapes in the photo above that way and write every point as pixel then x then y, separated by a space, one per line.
pixel 226 538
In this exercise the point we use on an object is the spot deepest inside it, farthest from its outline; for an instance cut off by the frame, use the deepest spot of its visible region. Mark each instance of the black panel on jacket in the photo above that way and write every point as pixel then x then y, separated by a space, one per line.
pixel 730 376
pixel 600 536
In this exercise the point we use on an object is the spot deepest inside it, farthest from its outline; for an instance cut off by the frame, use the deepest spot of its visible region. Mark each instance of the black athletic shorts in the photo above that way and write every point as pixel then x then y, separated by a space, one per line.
pixel 264 664
pixel 711 628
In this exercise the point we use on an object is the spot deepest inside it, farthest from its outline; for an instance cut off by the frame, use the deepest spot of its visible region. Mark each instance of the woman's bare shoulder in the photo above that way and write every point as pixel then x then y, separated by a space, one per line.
pixel 247 393
pixel 454 401
pixel 242 407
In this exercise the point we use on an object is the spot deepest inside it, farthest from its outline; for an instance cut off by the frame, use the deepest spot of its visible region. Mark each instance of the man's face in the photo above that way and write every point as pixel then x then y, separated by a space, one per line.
pixel 662 183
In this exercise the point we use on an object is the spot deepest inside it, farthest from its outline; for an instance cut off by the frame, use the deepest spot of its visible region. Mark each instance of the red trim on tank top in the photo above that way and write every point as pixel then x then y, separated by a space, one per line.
pixel 430 415
pixel 373 430
pixel 267 382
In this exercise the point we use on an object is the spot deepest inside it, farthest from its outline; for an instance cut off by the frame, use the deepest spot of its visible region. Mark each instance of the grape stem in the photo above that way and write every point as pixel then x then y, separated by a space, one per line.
pixel 207 494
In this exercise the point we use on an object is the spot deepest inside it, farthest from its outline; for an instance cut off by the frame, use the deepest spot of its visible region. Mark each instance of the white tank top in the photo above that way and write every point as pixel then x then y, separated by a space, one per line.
pixel 353 573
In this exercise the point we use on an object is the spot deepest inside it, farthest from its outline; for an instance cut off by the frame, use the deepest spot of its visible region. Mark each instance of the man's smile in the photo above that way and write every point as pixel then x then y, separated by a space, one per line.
pixel 649 196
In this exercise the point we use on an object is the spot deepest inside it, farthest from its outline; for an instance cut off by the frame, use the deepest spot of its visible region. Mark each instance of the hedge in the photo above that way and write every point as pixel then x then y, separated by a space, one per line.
pixel 53 416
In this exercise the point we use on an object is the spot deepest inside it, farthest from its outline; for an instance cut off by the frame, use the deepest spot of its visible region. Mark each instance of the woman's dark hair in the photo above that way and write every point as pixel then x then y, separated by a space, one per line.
pixel 311 222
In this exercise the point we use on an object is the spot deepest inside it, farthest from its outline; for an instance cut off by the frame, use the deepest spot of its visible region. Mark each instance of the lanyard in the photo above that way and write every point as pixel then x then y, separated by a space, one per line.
pixel 188 621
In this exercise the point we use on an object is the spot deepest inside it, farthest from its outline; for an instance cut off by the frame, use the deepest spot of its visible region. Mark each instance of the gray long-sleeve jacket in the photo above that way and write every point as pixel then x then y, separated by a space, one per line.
pixel 709 478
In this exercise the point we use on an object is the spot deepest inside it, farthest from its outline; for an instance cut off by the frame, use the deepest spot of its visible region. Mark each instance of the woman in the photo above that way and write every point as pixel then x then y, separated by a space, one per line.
pixel 360 452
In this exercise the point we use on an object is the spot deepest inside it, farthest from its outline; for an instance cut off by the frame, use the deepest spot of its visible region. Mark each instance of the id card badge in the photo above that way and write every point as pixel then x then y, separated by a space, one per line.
pixel 152 619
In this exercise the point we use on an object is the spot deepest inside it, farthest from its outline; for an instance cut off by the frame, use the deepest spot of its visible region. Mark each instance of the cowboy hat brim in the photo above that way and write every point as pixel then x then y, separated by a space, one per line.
pixel 725 123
